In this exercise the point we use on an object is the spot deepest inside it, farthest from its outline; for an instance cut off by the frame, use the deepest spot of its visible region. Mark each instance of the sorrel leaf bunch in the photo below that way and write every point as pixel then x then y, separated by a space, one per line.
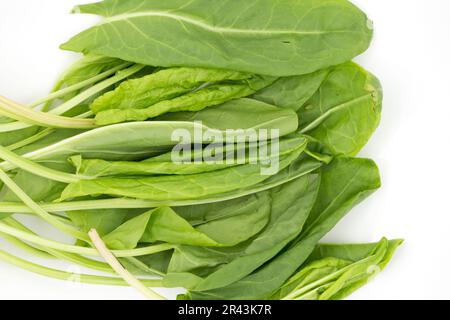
pixel 98 151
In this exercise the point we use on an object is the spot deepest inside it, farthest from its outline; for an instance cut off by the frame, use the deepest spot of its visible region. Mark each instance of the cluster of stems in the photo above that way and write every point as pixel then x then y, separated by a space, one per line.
pixel 47 118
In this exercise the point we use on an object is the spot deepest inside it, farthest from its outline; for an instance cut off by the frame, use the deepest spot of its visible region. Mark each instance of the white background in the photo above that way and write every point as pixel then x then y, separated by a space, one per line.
pixel 410 54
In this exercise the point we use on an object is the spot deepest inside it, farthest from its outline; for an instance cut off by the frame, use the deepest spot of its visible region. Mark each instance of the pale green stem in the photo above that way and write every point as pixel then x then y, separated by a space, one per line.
pixel 37 169
pixel 119 269
pixel 79 85
pixel 23 114
pixel 121 75
pixel 117 203
pixel 63 108
pixel 26 236
pixel 39 211
pixel 26 247
pixel 71 257
pixel 82 261
pixel 41 134
pixel 38 136
pixel 62 275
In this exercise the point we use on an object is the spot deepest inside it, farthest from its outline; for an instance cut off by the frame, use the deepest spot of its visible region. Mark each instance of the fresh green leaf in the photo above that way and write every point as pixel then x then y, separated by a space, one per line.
pixel 197 100
pixel 291 204
pixel 298 168
pixel 182 187
pixel 194 162
pixel 163 85
pixel 292 92
pixel 344 183
pixel 164 224
pixel 259 36
pixel 345 111
pixel 329 277
pixel 104 221
pixel 128 234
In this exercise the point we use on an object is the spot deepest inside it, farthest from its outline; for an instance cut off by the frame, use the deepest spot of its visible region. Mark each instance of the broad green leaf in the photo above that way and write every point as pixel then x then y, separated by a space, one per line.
pixel 181 187
pixel 344 183
pixel 158 261
pixel 240 114
pixel 194 162
pixel 164 224
pixel 234 229
pixel 203 213
pixel 292 92
pixel 200 262
pixel 104 221
pixel 291 204
pixel 232 218
pixel 204 97
pixel 166 84
pixel 300 167
pixel 284 38
pixel 281 230
pixel 128 234
pixel 345 110
pixel 55 137
pixel 349 252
